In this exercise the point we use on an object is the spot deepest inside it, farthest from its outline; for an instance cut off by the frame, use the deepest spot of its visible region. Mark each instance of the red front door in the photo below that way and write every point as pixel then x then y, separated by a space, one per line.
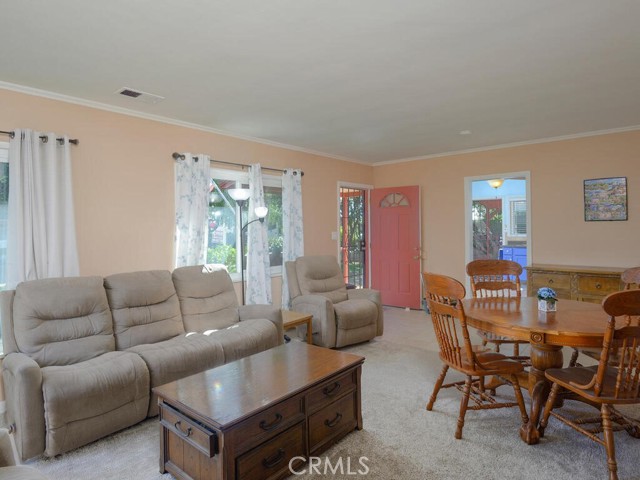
pixel 395 245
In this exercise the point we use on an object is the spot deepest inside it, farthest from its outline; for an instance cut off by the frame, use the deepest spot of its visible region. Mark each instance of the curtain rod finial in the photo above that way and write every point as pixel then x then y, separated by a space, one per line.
pixel 177 156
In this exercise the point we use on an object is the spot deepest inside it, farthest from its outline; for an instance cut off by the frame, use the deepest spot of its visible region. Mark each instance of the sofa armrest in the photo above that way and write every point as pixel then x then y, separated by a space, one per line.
pixel 7 458
pixel 25 405
pixel 271 313
pixel 324 317
pixel 374 296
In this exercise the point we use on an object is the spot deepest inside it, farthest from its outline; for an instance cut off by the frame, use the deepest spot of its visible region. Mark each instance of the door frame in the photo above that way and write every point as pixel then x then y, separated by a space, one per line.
pixel 468 203
pixel 367 188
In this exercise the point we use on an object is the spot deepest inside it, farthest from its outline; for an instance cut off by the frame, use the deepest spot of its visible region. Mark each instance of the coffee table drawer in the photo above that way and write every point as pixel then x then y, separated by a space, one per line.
pixel 329 391
pixel 333 420
pixel 271 459
pixel 189 430
pixel 269 422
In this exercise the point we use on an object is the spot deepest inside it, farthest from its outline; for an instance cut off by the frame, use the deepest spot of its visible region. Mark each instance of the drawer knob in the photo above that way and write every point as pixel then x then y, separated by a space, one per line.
pixel 550 281
pixel 186 433
pixel 598 285
pixel 329 391
pixel 274 459
pixel 334 422
pixel 270 426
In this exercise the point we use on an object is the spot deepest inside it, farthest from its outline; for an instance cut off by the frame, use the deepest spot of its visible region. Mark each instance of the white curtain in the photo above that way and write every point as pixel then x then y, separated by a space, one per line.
pixel 192 202
pixel 293 242
pixel 41 239
pixel 258 273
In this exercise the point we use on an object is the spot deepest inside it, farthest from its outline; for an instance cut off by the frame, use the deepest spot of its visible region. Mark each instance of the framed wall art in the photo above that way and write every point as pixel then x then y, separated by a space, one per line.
pixel 605 199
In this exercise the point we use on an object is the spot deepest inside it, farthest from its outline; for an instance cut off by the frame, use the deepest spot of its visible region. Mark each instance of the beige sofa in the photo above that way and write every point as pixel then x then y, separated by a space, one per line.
pixel 83 353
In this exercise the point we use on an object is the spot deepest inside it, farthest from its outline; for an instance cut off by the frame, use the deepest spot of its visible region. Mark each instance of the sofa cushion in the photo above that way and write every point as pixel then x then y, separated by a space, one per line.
pixel 61 321
pixel 144 306
pixel 246 338
pixel 177 358
pixel 321 275
pixel 355 313
pixel 208 300
pixel 91 399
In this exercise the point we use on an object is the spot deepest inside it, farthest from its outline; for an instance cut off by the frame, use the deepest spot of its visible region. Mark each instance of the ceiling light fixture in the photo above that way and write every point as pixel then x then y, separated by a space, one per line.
pixel 496 182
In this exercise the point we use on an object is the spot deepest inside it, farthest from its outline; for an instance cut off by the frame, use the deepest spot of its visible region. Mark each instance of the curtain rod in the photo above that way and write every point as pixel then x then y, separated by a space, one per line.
pixel 178 156
pixel 44 138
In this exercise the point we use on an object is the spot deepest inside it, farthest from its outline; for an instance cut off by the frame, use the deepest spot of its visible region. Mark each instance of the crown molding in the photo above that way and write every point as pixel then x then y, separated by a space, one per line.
pixel 559 138
pixel 170 121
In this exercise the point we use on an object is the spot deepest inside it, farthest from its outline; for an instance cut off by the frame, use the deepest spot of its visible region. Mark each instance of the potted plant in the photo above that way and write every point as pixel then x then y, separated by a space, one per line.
pixel 547 299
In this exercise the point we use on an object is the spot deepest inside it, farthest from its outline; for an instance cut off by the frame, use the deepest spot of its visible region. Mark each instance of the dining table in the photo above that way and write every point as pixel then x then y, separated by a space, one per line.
pixel 573 324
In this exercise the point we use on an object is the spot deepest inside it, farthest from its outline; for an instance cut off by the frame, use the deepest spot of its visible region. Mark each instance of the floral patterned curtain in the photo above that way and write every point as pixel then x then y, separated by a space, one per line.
pixel 293 242
pixel 258 272
pixel 192 202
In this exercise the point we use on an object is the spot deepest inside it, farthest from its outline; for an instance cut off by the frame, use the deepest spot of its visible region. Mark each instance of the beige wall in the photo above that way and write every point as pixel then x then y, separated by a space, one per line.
pixel 123 180
pixel 559 232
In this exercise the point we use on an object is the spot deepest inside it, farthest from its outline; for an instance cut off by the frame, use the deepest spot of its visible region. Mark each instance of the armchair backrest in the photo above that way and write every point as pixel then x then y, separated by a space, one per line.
pixel 208 300
pixel 320 275
pixel 60 321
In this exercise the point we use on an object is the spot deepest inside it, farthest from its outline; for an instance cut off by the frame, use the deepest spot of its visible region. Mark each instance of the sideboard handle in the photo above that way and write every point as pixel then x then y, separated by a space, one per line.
pixel 270 426
pixel 272 461
pixel 334 422
pixel 598 285
pixel 550 281
pixel 186 433
pixel 331 390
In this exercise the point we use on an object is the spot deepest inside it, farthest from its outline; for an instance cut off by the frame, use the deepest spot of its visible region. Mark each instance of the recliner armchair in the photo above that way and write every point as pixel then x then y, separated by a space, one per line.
pixel 340 317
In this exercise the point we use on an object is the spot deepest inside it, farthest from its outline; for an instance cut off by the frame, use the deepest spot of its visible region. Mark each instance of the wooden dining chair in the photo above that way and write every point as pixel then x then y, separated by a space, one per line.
pixel 496 278
pixel 630 279
pixel 444 295
pixel 606 384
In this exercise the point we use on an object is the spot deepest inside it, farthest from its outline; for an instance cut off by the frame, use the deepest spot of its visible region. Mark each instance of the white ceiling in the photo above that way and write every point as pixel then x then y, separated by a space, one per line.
pixel 366 80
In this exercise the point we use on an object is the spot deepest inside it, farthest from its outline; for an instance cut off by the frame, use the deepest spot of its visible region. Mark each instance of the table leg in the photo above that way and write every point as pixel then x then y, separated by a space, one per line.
pixel 310 331
pixel 542 357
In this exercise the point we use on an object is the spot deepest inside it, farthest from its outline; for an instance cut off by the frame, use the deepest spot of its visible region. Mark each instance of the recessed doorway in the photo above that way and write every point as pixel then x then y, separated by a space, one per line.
pixel 498 218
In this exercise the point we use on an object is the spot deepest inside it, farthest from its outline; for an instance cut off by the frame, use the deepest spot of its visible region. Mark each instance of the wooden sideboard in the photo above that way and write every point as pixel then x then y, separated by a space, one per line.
pixel 587 284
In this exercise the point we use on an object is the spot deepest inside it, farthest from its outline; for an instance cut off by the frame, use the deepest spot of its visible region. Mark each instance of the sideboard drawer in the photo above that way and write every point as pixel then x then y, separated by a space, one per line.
pixel 557 281
pixel 271 459
pixel 332 421
pixel 329 391
pixel 188 430
pixel 598 285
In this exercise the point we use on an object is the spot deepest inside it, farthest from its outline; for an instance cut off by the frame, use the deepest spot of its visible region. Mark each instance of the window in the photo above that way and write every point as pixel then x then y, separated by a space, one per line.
pixel 518 214
pixel 223 239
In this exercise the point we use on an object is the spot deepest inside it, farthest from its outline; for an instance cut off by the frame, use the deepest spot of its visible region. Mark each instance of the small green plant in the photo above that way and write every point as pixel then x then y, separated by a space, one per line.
pixel 225 254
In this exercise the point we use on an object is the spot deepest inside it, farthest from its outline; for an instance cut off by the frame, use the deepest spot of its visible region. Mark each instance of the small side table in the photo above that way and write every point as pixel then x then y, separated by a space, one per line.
pixel 291 319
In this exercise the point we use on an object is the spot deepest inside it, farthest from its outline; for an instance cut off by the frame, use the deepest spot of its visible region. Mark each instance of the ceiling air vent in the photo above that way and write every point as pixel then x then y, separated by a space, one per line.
pixel 139 95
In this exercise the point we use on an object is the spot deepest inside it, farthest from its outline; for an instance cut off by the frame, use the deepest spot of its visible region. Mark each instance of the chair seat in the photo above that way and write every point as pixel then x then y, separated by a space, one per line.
pixel 572 376
pixel 492 363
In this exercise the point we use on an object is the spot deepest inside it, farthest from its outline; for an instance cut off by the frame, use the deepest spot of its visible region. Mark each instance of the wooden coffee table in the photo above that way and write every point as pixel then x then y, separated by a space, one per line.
pixel 249 418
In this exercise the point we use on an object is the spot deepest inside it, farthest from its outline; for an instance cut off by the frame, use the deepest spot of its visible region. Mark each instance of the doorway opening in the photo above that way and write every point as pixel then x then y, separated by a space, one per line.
pixel 499 218
pixel 353 212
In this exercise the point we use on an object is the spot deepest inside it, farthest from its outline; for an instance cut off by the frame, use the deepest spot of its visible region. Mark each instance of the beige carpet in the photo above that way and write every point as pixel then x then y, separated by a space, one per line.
pixel 401 440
